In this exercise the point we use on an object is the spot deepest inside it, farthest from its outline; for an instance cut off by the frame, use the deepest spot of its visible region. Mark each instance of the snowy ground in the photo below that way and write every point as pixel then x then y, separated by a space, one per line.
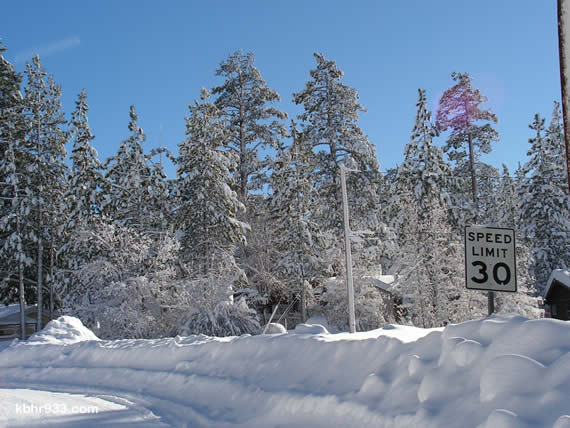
pixel 494 373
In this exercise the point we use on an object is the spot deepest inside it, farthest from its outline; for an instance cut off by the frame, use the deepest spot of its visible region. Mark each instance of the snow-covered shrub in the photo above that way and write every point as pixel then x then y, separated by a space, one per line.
pixel 136 307
pixel 120 283
pixel 111 308
pixel 226 319
pixel 212 310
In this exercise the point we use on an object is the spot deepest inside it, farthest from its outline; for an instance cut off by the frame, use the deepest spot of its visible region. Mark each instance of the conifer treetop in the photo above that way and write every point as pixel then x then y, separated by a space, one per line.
pixel 460 111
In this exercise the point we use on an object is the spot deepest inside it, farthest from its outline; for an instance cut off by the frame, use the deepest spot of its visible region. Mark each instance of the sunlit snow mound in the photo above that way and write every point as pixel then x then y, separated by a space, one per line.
pixel 311 329
pixel 64 330
pixel 500 372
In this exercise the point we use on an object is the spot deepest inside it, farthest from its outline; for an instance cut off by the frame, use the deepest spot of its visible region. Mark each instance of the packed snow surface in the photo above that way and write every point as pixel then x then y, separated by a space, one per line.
pixel 500 372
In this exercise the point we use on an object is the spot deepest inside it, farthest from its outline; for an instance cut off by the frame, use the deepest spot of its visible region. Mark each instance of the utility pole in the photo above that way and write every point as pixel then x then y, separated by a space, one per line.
pixel 349 283
pixel 564 54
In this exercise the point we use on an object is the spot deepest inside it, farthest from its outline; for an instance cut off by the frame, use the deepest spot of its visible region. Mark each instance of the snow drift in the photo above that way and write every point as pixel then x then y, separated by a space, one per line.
pixel 499 372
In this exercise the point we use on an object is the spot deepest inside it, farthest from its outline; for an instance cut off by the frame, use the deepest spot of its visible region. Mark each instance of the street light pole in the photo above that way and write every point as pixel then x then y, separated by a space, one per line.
pixel 349 283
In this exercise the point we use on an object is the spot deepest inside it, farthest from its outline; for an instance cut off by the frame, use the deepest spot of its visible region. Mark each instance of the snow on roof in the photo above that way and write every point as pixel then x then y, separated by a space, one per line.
pixel 386 283
pixel 11 314
pixel 6 311
pixel 560 275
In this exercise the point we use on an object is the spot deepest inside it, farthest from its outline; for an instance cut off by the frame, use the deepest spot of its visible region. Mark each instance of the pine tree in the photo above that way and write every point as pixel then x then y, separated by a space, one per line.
pixel 429 258
pixel 14 180
pixel 424 174
pixel 128 176
pixel 82 199
pixel 12 119
pixel 81 210
pixel 45 148
pixel 505 211
pixel 330 127
pixel 208 207
pixel 159 208
pixel 459 111
pixel 545 204
pixel 244 100
pixel 295 234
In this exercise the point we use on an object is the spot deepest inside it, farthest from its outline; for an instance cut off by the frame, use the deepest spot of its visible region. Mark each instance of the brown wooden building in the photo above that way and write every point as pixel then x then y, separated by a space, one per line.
pixel 557 294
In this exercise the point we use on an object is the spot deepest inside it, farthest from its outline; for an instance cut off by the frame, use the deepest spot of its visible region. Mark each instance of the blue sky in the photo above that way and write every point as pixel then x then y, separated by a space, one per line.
pixel 157 56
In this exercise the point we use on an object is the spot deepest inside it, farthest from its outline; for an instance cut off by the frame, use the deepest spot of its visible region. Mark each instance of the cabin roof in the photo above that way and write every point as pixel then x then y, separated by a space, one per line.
pixel 558 276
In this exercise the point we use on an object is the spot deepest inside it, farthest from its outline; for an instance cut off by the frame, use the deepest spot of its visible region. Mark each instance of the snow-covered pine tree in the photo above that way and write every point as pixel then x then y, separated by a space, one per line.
pixel 429 260
pixel 14 180
pixel 330 128
pixel 81 210
pixel 208 210
pixel 160 209
pixel 82 199
pixel 128 176
pixel 45 147
pixel 545 204
pixel 14 255
pixel 245 102
pixel 505 211
pixel 433 171
pixel 401 208
pixel 296 235
pixel 208 207
pixel 459 111
pixel 374 243
pixel 424 174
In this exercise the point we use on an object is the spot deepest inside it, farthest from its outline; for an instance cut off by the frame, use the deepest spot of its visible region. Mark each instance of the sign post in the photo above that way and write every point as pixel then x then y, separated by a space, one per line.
pixel 490 260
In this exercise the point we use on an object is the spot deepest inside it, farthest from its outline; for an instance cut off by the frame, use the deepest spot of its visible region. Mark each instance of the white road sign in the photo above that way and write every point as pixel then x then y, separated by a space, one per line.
pixel 490 261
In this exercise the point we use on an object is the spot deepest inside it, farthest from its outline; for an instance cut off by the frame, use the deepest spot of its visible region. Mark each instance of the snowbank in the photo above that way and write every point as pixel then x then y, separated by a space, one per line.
pixel 500 372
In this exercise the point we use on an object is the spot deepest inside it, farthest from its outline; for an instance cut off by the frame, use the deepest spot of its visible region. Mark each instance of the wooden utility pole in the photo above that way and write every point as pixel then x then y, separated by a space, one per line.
pixel 564 53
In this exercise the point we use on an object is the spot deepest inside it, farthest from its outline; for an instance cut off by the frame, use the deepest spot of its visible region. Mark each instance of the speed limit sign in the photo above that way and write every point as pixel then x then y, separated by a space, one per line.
pixel 490 260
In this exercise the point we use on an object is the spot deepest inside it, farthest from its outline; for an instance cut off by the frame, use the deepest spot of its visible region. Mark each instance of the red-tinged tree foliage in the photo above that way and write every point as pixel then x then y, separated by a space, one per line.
pixel 459 111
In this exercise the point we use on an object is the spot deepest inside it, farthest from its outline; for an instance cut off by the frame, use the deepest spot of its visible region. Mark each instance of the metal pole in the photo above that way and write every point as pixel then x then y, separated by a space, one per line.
pixel 349 283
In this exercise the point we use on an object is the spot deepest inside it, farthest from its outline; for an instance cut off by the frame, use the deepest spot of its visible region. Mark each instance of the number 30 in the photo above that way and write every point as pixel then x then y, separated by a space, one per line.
pixel 485 277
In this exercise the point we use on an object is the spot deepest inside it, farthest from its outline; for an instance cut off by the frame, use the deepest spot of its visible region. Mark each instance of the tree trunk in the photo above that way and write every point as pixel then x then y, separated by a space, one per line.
pixel 473 178
pixel 243 147
pixel 21 288
pixel 51 275
pixel 22 297
pixel 40 268
pixel 40 232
